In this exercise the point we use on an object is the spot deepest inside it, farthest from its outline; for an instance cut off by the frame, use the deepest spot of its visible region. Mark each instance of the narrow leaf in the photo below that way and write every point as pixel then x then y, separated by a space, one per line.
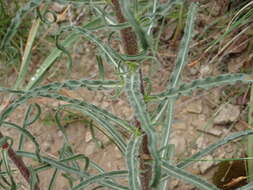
pixel 174 171
pixel 132 162
pixel 136 99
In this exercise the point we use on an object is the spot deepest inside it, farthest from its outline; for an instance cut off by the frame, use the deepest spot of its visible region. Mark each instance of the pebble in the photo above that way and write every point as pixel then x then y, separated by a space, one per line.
pixel 205 71
pixel 179 125
pixel 205 165
pixel 228 114
pixel 200 142
pixel 88 136
pixel 174 183
pixel 195 107
pixel 47 146
pixel 90 149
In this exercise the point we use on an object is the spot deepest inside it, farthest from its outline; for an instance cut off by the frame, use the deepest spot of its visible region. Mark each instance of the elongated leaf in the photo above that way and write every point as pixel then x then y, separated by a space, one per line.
pixel 206 83
pixel 213 147
pixel 55 53
pixel 25 132
pixel 136 99
pixel 97 179
pixel 132 162
pixel 174 171
pixel 55 164
pixel 184 46
pixel 28 121
pixel 8 168
pixel 46 166
pixel 181 61
pixel 102 121
pixel 42 91
pixel 25 58
pixel 16 21
pixel 63 167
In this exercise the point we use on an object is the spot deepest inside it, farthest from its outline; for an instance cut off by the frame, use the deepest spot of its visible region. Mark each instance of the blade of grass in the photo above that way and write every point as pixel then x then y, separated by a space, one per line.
pixel 25 58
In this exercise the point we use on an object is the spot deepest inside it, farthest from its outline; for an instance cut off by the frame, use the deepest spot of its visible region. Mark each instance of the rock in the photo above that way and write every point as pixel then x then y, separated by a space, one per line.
pixel 200 142
pixel 235 64
pixel 205 70
pixel 179 125
pixel 47 146
pixel 205 165
pixel 193 71
pixel 215 132
pixel 59 133
pixel 174 183
pixel 195 107
pixel 88 136
pixel 90 149
pixel 228 114
pixel 213 98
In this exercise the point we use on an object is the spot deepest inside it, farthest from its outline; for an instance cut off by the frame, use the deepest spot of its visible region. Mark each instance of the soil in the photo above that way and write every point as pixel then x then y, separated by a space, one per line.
pixel 195 125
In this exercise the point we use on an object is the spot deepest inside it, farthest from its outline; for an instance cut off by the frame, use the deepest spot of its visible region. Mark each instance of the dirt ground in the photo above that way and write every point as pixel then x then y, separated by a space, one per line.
pixel 200 119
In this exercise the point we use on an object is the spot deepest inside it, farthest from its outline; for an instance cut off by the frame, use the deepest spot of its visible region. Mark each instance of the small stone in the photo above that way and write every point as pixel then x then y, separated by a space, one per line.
pixel 88 136
pixel 193 71
pixel 195 107
pixel 179 125
pixel 59 133
pixel 234 65
pixel 174 183
pixel 215 132
pixel 90 149
pixel 228 114
pixel 205 71
pixel 47 146
pixel 213 98
pixel 200 142
pixel 205 165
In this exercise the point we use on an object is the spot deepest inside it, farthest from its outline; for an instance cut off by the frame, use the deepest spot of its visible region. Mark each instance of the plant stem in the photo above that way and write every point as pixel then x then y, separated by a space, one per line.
pixel 130 46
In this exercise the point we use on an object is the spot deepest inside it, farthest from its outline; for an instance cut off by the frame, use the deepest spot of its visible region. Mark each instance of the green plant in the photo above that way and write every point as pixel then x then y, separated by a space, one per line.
pixel 148 160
